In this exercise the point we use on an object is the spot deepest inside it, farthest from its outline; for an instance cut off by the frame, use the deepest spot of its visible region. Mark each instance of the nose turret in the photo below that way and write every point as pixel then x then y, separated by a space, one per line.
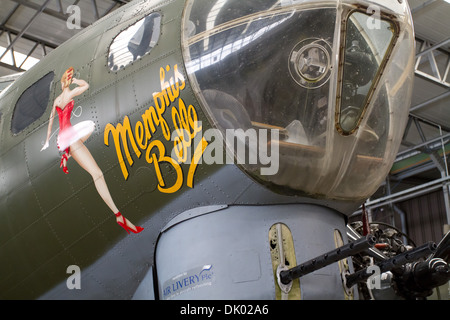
pixel 332 78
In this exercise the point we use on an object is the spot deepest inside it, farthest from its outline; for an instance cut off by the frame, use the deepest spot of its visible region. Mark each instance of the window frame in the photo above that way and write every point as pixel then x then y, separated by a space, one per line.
pixel 342 55
pixel 18 126
pixel 139 57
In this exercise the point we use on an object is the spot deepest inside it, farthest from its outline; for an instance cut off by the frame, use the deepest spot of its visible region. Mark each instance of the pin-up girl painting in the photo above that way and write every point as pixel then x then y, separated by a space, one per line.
pixel 71 140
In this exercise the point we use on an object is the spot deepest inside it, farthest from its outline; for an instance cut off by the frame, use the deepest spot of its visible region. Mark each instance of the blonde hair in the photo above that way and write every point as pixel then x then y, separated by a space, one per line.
pixel 64 77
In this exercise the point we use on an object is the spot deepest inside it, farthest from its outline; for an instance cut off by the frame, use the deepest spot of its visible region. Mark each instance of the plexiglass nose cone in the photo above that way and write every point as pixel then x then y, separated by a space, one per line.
pixel 323 86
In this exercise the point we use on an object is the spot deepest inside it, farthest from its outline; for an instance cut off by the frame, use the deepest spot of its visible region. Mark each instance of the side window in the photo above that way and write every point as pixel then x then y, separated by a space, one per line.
pixel 366 51
pixel 134 42
pixel 31 104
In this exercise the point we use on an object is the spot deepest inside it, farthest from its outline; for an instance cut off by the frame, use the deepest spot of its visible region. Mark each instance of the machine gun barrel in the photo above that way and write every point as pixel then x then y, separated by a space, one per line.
pixel 387 265
pixel 326 259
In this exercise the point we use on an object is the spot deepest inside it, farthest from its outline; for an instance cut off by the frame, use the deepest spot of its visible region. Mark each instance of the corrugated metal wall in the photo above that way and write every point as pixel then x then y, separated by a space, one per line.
pixel 425 217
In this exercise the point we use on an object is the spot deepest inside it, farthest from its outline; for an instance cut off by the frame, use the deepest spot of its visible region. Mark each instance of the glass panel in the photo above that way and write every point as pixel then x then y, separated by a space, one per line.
pixel 268 72
pixel 265 77
pixel 134 42
pixel 31 104
pixel 366 48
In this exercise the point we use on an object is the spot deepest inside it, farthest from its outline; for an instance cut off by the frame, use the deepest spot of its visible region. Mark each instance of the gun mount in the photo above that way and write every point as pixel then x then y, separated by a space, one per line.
pixel 286 276
pixel 395 262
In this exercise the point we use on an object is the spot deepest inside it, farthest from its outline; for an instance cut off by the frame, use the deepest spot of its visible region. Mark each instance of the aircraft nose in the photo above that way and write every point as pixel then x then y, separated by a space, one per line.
pixel 325 79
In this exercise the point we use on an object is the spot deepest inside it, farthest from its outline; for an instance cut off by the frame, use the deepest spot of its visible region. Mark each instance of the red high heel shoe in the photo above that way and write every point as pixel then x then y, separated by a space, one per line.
pixel 125 226
pixel 63 165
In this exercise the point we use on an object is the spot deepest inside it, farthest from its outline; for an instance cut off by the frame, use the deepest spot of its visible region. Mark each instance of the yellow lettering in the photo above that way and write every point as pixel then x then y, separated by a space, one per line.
pixel 156 160
pixel 186 127
pixel 123 132
pixel 193 120
pixel 179 77
pixel 185 122
pixel 152 118
pixel 139 134
pixel 161 101
pixel 172 87
pixel 178 146
pixel 193 167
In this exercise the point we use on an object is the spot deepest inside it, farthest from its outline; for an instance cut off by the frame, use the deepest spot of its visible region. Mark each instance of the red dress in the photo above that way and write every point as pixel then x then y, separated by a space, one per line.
pixel 69 134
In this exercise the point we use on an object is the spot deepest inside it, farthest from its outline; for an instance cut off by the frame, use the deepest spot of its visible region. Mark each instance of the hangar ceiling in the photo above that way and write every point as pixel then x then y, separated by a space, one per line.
pixel 33 28
pixel 30 29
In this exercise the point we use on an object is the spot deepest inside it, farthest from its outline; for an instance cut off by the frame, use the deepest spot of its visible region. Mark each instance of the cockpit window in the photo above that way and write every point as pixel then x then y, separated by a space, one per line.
pixel 367 46
pixel 31 104
pixel 134 42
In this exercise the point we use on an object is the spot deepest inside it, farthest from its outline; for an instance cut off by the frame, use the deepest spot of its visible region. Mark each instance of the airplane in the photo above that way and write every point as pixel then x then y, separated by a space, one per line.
pixel 200 149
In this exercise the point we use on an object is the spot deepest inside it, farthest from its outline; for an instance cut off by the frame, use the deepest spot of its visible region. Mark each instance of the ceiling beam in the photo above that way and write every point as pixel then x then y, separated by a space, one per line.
pixel 10 14
pixel 50 12
pixel 444 139
pixel 439 71
pixel 38 12
pixel 430 101
pixel 29 37
pixel 11 67
pixel 434 47
pixel 422 6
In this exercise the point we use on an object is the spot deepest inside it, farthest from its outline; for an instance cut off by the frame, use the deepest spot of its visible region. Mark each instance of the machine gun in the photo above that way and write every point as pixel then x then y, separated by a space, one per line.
pixel 406 272
pixel 412 278
pixel 286 276
pixel 417 280
pixel 390 264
